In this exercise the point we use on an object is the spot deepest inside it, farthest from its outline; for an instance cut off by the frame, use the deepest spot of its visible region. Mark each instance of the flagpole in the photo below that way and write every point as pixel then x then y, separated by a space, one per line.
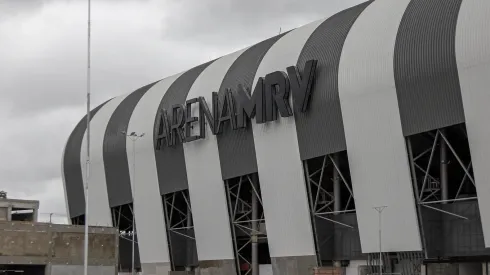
pixel 87 166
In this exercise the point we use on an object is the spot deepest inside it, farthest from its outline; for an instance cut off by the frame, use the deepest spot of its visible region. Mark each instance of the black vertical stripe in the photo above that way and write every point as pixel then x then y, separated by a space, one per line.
pixel 320 129
pixel 114 150
pixel 426 74
pixel 172 174
pixel 236 147
pixel 72 167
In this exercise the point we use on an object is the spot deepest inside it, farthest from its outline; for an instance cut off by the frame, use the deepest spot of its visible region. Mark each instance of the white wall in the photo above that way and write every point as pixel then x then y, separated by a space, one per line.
pixel 281 173
pixel 375 143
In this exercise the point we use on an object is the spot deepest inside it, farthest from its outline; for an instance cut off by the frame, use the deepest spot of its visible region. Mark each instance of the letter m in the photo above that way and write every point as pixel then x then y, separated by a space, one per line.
pixel 248 106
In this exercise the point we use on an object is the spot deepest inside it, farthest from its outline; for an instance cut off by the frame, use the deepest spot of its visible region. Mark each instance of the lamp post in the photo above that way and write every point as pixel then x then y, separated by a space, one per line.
pixel 133 136
pixel 85 238
pixel 380 209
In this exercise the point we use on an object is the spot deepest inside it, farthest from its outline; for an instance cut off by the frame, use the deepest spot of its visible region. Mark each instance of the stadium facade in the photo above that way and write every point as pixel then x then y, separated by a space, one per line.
pixel 282 153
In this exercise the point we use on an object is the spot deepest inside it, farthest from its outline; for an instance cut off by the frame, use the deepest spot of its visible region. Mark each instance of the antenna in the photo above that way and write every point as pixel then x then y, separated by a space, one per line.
pixel 87 174
pixel 280 30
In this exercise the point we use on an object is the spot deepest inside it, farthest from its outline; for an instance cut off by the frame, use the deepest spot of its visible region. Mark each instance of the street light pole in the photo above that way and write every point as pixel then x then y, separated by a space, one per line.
pixel 85 241
pixel 380 209
pixel 133 136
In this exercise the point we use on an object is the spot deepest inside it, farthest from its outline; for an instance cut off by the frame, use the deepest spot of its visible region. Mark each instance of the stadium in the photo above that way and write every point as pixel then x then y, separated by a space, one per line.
pixel 360 133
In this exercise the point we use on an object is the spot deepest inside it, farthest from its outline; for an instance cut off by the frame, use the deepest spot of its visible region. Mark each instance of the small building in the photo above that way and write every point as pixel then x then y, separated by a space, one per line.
pixel 30 247
pixel 18 210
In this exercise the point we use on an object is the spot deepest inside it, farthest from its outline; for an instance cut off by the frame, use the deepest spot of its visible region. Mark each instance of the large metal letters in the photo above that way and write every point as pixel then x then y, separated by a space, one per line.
pixel 269 98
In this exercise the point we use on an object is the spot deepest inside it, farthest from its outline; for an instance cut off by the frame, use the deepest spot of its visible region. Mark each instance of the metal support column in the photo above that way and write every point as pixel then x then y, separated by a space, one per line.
pixel 246 214
pixel 188 240
pixel 255 230
pixel 178 217
pixel 336 185
pixel 380 210
pixel 443 167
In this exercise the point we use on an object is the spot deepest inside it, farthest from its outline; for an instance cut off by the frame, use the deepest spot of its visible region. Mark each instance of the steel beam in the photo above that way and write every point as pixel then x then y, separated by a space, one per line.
pixel 336 185
pixel 255 244
pixel 443 169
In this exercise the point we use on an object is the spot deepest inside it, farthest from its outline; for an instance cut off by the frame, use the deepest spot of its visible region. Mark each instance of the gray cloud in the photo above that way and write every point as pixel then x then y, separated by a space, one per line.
pixel 135 42
pixel 223 21
pixel 13 8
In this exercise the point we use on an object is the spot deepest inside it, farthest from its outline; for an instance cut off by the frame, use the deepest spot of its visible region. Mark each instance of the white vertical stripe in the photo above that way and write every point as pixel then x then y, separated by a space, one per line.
pixel 206 186
pixel 68 216
pixel 148 207
pixel 99 211
pixel 473 59
pixel 375 142
pixel 282 180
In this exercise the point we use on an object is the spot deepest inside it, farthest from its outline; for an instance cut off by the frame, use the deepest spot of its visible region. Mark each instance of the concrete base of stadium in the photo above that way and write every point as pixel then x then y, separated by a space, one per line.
pixel 295 265
pixel 156 268
pixel 78 270
pixel 217 267
pixel 474 268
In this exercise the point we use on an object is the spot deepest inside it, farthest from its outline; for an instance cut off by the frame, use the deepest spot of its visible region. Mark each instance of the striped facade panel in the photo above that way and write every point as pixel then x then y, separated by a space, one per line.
pixel 375 143
pixel 72 168
pixel 170 161
pixel 206 186
pixel 426 74
pixel 473 59
pixel 115 160
pixel 236 147
pixel 320 129
pixel 98 208
pixel 67 207
pixel 282 180
pixel 150 218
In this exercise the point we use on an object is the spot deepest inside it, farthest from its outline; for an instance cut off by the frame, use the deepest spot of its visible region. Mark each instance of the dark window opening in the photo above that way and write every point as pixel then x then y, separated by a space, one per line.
pixel 180 231
pixel 445 193
pixel 332 208
pixel 247 222
pixel 122 218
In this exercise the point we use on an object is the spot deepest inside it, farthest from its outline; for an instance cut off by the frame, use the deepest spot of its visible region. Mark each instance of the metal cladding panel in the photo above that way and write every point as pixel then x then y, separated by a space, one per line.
pixel 473 59
pixel 282 180
pixel 150 218
pixel 320 129
pixel 426 74
pixel 67 207
pixel 72 168
pixel 375 143
pixel 170 161
pixel 236 147
pixel 98 208
pixel 115 159
pixel 206 187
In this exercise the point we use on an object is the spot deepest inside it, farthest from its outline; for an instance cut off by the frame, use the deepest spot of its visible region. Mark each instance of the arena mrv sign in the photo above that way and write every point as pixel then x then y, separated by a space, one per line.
pixel 270 97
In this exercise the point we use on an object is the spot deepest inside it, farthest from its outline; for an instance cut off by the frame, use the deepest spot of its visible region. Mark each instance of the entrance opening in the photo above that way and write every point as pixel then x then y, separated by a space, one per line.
pixel 22 269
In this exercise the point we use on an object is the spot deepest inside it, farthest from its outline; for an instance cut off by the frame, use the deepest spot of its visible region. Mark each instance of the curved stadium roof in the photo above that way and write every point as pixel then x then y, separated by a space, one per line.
pixel 386 70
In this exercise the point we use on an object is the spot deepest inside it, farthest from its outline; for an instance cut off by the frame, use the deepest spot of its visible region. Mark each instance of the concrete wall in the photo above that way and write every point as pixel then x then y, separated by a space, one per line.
pixel 354 266
pixel 218 267
pixel 4 211
pixel 156 268
pixel 298 265
pixel 265 269
pixel 78 270
pixel 59 245
pixel 442 269
pixel 470 269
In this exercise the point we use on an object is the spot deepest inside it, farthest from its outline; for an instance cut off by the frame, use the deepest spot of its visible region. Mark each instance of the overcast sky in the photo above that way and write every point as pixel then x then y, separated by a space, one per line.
pixel 135 42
